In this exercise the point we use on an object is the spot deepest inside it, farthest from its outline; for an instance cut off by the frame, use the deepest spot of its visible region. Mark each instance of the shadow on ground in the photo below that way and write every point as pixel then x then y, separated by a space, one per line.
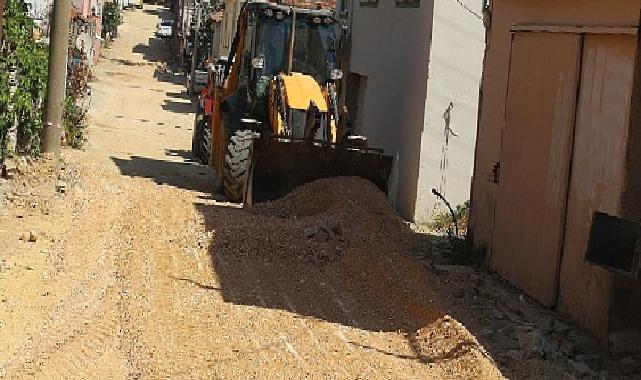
pixel 161 13
pixel 372 292
pixel 156 50
pixel 185 174
pixel 178 107
pixel 406 290
pixel 178 95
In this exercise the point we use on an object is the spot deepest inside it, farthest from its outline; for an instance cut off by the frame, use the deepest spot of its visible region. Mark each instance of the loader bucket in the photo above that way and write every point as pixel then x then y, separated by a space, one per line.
pixel 281 165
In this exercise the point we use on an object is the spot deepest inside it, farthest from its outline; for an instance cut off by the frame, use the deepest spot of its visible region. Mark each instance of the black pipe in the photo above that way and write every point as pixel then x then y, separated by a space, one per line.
pixel 441 197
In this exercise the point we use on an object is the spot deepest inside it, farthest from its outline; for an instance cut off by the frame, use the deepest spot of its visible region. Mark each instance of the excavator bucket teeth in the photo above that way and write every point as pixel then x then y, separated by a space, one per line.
pixel 281 165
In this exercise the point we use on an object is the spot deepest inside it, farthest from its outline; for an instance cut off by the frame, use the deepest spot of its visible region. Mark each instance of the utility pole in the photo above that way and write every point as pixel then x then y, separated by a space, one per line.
pixel 184 14
pixel 194 56
pixel 56 79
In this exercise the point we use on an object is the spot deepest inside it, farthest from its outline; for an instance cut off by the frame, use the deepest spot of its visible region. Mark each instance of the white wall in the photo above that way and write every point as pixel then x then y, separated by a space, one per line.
pixel 458 43
pixel 230 18
pixel 39 8
pixel 391 46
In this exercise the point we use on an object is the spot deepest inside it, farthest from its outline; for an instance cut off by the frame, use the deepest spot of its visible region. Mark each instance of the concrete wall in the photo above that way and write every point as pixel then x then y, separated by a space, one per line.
pixel 391 46
pixel 230 18
pixel 405 113
pixel 456 60
pixel 585 290
pixel 83 7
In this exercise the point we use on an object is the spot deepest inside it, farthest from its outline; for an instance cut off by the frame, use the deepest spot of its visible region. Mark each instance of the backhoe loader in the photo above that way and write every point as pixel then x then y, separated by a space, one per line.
pixel 273 112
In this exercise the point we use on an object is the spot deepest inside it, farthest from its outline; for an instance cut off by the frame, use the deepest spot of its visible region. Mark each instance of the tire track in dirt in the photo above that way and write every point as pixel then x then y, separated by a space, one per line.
pixel 77 331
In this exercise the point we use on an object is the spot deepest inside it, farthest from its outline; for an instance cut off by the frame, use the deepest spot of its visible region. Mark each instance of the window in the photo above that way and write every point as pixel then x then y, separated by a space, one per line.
pixel 408 3
pixel 369 3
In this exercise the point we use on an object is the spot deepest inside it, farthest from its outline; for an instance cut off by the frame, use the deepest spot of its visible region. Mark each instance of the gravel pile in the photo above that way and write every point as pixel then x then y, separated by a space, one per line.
pixel 335 250
pixel 319 222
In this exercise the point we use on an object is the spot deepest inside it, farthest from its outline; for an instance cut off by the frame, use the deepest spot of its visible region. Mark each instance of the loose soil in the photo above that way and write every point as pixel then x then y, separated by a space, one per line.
pixel 135 269
pixel 138 272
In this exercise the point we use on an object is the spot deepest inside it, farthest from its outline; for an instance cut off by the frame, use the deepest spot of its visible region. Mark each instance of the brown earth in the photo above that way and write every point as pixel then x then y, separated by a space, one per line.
pixel 134 269
pixel 137 272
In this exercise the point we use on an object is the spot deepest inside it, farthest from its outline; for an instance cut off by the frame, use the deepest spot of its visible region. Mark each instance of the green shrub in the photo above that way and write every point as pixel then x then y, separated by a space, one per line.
pixel 75 122
pixel 443 222
pixel 30 58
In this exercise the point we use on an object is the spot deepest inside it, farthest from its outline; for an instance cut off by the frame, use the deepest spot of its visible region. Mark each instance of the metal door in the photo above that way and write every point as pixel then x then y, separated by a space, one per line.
pixel 535 160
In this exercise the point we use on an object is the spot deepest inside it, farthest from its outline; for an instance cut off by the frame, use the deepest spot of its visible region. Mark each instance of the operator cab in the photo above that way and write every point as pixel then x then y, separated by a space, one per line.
pixel 268 50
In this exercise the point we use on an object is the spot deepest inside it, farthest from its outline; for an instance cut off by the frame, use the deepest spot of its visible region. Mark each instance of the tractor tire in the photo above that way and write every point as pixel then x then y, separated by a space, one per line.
pixel 201 139
pixel 237 164
pixel 205 146
pixel 197 136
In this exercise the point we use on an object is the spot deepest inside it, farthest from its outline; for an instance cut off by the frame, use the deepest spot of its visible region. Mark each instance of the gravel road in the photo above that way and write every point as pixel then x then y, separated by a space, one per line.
pixel 133 271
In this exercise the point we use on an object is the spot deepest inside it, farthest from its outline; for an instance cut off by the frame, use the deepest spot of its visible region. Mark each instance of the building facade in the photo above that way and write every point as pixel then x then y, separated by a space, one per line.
pixel 228 28
pixel 413 87
pixel 88 28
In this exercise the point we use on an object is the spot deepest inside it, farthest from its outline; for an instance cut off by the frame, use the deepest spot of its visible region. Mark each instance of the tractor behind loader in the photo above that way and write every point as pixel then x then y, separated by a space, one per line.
pixel 273 111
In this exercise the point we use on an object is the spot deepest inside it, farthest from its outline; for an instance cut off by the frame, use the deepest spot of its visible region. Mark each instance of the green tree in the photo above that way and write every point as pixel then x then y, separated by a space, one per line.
pixel 111 19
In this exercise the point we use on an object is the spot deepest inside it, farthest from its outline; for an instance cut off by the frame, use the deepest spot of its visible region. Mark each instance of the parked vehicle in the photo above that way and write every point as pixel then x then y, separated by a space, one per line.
pixel 200 81
pixel 201 139
pixel 131 4
pixel 165 29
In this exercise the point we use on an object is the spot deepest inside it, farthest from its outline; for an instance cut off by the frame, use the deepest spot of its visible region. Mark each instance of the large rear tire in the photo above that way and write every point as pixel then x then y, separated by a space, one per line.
pixel 237 164
pixel 197 137
pixel 205 153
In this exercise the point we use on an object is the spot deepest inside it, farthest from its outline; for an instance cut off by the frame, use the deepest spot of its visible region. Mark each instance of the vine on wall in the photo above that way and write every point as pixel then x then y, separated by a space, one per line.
pixel 29 58
pixel 22 105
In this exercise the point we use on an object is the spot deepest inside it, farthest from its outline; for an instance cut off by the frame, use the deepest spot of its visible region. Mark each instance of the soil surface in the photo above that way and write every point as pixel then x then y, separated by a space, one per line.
pixel 122 263
pixel 137 272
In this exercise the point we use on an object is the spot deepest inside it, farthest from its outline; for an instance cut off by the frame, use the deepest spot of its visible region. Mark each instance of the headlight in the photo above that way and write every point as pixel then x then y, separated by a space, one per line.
pixel 258 63
pixel 317 20
pixel 280 15
pixel 336 74
pixel 328 20
pixel 269 12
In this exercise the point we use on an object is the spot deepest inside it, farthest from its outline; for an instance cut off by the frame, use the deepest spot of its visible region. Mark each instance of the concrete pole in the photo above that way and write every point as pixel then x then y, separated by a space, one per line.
pixel 194 53
pixel 56 79
pixel 183 32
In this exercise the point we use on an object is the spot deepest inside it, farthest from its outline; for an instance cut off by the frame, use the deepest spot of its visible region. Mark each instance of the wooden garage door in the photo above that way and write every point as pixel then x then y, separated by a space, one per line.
pixel 535 160
pixel 598 170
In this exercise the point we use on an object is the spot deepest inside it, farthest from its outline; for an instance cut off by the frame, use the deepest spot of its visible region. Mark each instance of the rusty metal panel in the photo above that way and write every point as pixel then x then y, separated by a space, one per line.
pixel 535 160
pixel 598 171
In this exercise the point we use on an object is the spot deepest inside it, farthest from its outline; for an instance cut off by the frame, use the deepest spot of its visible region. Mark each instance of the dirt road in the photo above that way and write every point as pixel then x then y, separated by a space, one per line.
pixel 119 282
pixel 120 279
pixel 121 264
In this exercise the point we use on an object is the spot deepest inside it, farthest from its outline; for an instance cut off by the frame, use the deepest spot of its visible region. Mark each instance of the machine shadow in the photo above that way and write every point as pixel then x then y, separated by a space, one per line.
pixel 156 50
pixel 367 292
pixel 178 107
pixel 185 174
